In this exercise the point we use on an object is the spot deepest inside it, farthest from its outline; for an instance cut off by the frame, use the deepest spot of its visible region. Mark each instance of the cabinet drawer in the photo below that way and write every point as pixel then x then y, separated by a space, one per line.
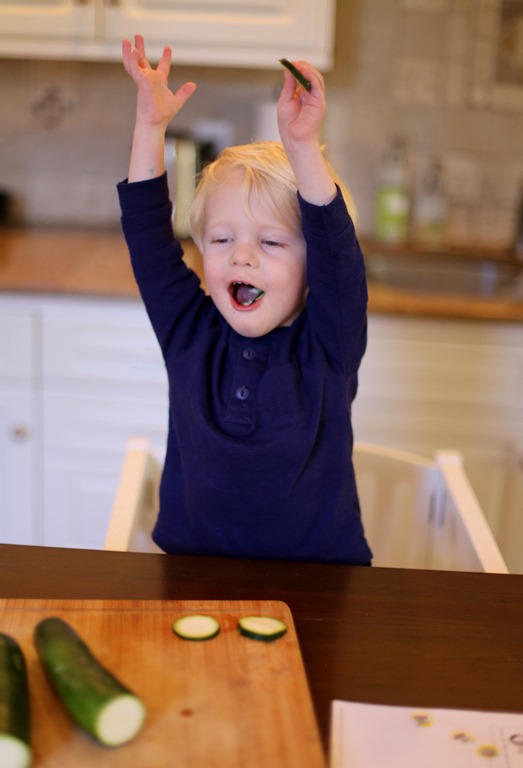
pixel 473 368
pixel 95 343
pixel 17 353
pixel 98 427
pixel 78 502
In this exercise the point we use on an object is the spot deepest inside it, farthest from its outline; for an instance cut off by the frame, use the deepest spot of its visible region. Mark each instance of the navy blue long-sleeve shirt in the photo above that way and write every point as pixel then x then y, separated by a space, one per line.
pixel 258 461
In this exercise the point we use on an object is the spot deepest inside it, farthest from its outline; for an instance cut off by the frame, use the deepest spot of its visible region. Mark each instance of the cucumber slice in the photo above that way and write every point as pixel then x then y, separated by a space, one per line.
pixel 15 748
pixel 261 627
pixel 99 703
pixel 196 627
pixel 296 73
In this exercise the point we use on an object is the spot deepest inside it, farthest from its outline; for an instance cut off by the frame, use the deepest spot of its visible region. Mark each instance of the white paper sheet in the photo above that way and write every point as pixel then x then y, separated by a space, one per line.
pixel 375 736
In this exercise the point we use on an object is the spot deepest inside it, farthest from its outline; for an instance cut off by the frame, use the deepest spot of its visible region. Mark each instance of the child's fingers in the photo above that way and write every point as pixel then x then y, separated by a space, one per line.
pixel 184 93
pixel 164 65
pixel 311 74
pixel 289 85
pixel 139 44
pixel 133 58
pixel 126 55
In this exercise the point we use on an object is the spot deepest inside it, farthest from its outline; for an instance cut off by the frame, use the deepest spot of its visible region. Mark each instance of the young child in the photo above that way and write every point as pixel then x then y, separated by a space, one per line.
pixel 263 370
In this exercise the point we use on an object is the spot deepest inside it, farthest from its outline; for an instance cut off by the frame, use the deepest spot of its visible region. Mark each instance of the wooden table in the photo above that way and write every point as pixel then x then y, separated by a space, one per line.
pixel 390 636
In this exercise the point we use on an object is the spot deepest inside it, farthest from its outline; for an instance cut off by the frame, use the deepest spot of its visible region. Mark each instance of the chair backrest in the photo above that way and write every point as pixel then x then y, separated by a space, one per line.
pixel 461 532
pixel 398 493
pixel 136 502
pixel 422 513
pixel 417 513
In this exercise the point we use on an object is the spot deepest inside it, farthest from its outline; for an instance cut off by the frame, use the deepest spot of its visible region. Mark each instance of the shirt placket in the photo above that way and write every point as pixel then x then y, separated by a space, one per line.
pixel 248 370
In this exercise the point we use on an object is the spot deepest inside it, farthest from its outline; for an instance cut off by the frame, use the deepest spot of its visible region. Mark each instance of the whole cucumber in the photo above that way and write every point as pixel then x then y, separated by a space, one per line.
pixel 97 702
pixel 15 748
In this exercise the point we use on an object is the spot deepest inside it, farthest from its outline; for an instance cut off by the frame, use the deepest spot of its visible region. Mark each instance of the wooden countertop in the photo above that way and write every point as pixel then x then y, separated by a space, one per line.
pixel 81 262
pixel 96 263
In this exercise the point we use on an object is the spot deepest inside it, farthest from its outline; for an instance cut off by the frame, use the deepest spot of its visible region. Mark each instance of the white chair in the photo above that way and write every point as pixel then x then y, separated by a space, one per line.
pixel 422 513
pixel 136 502
pixel 418 513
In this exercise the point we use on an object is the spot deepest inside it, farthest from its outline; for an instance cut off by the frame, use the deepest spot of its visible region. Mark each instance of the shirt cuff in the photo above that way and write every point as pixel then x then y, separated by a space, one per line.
pixel 332 218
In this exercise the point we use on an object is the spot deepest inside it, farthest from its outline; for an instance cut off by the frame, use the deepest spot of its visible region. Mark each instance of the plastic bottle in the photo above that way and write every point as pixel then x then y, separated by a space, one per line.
pixel 431 208
pixel 393 196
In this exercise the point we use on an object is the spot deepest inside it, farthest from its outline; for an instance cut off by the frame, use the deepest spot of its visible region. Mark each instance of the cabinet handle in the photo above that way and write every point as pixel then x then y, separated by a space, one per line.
pixel 19 433
pixel 112 3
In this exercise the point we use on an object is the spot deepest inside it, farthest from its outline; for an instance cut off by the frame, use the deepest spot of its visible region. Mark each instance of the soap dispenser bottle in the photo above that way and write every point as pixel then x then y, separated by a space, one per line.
pixel 393 196
pixel 431 208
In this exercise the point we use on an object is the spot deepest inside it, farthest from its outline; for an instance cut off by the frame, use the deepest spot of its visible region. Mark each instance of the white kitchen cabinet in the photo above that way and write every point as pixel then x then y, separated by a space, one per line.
pixel 19 426
pixel 427 384
pixel 78 377
pixel 246 33
pixel 19 519
pixel 104 381
pixel 41 20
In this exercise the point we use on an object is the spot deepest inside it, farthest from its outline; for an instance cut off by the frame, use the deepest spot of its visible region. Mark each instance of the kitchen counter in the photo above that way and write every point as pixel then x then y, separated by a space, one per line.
pixel 387 636
pixel 96 263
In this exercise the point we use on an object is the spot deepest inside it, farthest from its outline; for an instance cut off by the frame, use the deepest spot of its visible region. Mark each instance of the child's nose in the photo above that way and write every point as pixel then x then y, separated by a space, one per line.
pixel 243 256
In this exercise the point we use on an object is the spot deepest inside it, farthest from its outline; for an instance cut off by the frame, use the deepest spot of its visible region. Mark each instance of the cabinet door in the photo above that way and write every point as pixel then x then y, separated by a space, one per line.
pixel 85 438
pixel 18 510
pixel 106 347
pixel 238 32
pixel 17 358
pixel 73 19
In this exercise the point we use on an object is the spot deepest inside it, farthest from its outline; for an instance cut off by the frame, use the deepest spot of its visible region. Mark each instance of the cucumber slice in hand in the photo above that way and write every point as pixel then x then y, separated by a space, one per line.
pixel 196 627
pixel 296 73
pixel 261 627
pixel 99 703
pixel 15 749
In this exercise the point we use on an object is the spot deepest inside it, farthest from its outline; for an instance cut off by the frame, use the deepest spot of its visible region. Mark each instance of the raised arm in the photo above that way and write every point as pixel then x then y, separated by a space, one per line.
pixel 300 117
pixel 156 106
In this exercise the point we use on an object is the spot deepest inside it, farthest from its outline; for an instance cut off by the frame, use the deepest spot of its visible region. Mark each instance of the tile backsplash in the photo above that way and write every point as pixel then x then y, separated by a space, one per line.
pixel 403 67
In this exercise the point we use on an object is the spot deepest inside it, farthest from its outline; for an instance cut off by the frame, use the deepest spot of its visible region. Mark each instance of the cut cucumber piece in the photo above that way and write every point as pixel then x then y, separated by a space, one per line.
pixel 261 627
pixel 196 627
pixel 296 73
pixel 15 748
pixel 99 703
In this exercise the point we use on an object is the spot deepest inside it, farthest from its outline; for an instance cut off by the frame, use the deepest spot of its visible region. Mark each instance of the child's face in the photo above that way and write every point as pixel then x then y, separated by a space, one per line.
pixel 254 263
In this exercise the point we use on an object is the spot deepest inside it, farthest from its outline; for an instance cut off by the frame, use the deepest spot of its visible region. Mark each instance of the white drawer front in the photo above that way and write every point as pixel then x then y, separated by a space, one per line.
pixel 92 343
pixel 99 426
pixel 17 352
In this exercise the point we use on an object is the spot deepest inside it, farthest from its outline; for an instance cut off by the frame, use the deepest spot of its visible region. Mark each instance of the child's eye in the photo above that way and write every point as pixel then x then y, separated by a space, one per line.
pixel 274 243
pixel 219 240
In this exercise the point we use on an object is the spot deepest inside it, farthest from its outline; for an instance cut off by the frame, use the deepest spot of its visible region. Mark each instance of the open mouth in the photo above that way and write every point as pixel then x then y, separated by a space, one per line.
pixel 245 294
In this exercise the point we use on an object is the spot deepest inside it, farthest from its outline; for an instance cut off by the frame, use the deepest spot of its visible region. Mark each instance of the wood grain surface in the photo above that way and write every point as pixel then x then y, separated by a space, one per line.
pixel 96 263
pixel 226 702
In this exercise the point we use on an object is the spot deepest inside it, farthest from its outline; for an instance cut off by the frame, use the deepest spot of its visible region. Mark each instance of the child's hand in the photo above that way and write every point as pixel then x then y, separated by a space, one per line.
pixel 301 111
pixel 157 104
pixel 300 117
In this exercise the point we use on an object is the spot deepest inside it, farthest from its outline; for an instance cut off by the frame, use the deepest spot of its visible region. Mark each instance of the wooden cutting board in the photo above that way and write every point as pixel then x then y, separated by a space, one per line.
pixel 223 703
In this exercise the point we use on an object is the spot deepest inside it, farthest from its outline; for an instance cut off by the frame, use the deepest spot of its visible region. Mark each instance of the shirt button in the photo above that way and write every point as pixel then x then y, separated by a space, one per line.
pixel 242 393
pixel 249 353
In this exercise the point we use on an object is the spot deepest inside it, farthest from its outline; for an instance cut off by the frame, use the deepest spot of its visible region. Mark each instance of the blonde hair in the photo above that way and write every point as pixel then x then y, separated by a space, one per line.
pixel 268 176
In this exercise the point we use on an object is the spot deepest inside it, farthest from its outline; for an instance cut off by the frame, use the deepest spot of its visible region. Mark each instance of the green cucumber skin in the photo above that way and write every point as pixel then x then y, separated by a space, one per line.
pixel 296 73
pixel 15 716
pixel 260 636
pixel 266 636
pixel 81 682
